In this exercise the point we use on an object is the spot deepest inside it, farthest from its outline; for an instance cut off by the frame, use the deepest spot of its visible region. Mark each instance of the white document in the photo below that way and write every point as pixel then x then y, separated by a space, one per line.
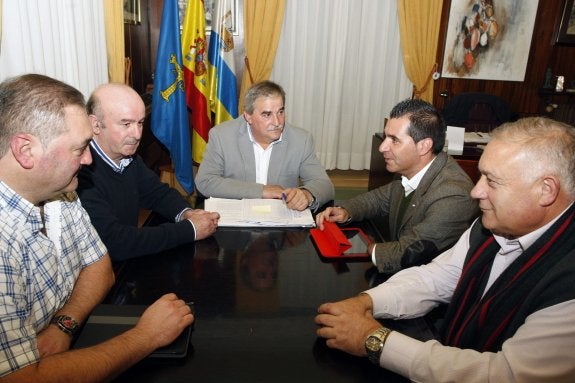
pixel 455 138
pixel 477 137
pixel 258 212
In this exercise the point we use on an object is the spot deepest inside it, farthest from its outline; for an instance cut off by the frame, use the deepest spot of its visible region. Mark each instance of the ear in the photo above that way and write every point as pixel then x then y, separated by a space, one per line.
pixel 22 147
pixel 95 123
pixel 248 118
pixel 550 187
pixel 424 146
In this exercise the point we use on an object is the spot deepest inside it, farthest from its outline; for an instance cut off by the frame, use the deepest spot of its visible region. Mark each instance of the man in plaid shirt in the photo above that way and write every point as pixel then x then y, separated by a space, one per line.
pixel 53 266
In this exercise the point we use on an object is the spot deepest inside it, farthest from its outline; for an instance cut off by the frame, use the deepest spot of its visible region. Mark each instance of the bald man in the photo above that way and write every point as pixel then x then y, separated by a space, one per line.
pixel 118 183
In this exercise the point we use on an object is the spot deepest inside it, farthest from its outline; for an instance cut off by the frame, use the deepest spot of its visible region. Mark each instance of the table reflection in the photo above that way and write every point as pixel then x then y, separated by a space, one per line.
pixel 256 292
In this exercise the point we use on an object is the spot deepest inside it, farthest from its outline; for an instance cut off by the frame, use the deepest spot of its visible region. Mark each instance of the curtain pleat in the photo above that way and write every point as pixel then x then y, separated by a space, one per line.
pixel 419 23
pixel 114 24
pixel 262 27
pixel 64 39
pixel 357 43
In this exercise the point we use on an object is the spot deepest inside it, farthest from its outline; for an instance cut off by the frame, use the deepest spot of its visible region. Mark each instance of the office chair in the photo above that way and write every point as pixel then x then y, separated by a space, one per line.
pixel 477 112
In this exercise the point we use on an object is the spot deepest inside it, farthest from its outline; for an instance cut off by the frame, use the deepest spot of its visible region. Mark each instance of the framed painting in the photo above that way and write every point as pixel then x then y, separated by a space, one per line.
pixel 489 40
pixel 132 12
pixel 565 31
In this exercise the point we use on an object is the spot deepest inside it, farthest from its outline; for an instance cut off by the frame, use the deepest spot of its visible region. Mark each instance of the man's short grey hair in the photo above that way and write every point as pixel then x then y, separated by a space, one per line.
pixel 262 89
pixel 549 146
pixel 34 104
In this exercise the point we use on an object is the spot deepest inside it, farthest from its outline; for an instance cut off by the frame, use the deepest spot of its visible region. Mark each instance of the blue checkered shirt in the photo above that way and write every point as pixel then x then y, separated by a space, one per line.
pixel 38 272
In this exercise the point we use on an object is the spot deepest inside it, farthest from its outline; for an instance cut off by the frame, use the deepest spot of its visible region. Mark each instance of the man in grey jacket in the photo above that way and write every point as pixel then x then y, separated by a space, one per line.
pixel 258 155
pixel 429 207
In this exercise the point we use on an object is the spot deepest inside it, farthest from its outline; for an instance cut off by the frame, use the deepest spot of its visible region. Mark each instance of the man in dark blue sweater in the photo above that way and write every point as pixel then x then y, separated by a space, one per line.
pixel 118 183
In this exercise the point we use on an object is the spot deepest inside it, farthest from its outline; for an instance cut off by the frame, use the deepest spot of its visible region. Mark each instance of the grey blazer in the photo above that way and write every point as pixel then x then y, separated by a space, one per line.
pixel 228 168
pixel 439 212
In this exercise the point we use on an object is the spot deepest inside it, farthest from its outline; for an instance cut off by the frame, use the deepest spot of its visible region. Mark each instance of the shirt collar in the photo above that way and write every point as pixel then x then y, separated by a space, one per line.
pixel 529 238
pixel 119 168
pixel 411 184
pixel 14 204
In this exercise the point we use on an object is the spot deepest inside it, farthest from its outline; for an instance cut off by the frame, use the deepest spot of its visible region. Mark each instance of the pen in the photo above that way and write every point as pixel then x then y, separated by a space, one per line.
pixel 284 197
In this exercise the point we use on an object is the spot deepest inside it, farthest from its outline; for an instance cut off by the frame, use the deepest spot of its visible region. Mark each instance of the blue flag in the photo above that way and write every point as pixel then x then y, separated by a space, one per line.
pixel 170 122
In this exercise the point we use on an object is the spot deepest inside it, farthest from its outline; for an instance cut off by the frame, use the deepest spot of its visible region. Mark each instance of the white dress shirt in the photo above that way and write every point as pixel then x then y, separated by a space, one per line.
pixel 262 157
pixel 541 348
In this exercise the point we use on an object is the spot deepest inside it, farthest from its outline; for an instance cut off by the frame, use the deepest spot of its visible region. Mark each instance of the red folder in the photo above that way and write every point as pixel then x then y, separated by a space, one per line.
pixel 334 241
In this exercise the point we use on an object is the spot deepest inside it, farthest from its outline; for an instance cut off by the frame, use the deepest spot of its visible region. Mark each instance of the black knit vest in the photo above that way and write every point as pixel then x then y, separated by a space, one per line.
pixel 540 277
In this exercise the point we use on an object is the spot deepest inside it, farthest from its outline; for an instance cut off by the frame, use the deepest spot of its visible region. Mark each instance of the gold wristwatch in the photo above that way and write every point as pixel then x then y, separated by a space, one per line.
pixel 374 344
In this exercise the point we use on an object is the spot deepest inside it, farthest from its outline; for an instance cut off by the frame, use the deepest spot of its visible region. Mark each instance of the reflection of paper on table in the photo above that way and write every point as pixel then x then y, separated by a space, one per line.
pixel 455 138
pixel 257 212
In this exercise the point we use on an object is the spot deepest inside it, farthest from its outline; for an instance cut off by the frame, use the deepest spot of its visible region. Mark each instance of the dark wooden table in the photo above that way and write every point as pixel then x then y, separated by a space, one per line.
pixel 256 293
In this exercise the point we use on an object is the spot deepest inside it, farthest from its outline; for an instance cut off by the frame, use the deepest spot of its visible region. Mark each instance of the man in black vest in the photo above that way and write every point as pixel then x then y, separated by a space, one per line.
pixel 508 280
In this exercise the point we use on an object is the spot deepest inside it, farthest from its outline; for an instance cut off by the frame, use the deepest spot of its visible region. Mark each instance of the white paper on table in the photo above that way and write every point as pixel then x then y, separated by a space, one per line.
pixel 455 138
pixel 257 212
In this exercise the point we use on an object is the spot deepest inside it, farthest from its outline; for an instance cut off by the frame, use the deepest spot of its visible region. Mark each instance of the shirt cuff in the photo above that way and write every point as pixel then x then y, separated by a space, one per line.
pixel 179 216
pixel 189 220
pixel 398 353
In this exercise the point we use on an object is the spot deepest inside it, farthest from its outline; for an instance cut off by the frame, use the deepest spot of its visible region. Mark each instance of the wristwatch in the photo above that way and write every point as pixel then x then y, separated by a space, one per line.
pixel 66 324
pixel 313 199
pixel 374 344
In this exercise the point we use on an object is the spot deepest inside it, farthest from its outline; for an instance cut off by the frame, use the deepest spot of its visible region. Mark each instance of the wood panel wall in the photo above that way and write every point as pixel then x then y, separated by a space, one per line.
pixel 523 97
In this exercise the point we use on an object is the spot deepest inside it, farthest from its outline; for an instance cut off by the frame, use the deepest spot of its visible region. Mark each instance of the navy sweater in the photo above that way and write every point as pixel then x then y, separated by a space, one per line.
pixel 113 201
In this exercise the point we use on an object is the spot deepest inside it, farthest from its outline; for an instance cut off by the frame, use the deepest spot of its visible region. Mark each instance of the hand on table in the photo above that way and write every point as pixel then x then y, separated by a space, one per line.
pixel 295 198
pixel 165 319
pixel 346 324
pixel 205 222
pixel 331 214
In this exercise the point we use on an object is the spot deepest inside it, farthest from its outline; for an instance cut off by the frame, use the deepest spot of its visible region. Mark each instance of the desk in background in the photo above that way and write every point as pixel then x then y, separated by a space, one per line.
pixel 256 293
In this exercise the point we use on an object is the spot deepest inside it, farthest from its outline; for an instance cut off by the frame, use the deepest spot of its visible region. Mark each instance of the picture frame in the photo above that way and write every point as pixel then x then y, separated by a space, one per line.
pixel 132 13
pixel 479 34
pixel 565 30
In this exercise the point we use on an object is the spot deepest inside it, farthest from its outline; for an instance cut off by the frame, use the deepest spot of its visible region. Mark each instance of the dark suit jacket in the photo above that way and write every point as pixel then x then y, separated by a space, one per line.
pixel 439 212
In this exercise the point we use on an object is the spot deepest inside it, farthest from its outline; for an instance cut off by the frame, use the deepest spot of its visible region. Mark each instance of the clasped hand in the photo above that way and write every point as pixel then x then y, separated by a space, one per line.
pixel 346 324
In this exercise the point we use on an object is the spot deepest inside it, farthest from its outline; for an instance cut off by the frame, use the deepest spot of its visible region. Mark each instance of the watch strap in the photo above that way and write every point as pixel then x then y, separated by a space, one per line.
pixel 374 344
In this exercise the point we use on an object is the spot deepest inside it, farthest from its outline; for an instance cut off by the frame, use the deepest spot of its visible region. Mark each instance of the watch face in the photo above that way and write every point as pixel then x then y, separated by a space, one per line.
pixel 373 343
pixel 66 324
pixel 69 323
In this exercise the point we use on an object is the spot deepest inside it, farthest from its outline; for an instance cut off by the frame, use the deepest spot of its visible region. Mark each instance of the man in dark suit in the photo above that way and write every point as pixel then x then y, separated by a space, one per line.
pixel 428 207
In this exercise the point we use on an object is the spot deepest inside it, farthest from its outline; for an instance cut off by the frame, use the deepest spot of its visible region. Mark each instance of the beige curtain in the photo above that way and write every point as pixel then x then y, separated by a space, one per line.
pixel 419 23
pixel 114 25
pixel 262 26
